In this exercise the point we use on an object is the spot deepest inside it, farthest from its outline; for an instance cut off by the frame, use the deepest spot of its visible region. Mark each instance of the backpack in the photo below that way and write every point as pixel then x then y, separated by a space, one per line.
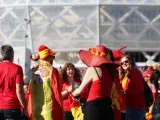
pixel 148 95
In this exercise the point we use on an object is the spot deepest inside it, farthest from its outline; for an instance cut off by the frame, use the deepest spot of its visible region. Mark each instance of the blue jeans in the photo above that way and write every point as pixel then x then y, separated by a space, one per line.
pixel 135 114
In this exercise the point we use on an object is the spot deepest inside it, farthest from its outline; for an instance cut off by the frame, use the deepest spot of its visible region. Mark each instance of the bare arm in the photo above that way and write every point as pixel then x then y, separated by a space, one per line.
pixel 89 76
pixel 19 88
pixel 87 79
pixel 151 108
pixel 21 95
pixel 153 92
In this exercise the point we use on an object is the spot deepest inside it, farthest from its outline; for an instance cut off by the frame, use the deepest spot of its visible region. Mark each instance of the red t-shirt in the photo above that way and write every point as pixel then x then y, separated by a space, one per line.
pixel 66 103
pixel 10 75
pixel 66 100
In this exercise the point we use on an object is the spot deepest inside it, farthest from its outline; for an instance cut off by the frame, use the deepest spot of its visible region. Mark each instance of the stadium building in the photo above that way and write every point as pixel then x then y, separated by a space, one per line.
pixel 69 25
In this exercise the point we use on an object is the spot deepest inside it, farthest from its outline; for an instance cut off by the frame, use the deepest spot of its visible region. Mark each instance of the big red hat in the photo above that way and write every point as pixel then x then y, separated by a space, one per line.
pixel 43 53
pixel 118 54
pixel 96 56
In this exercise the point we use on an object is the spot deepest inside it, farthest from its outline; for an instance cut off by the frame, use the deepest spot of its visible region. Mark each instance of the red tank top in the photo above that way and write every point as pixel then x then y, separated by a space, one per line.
pixel 101 88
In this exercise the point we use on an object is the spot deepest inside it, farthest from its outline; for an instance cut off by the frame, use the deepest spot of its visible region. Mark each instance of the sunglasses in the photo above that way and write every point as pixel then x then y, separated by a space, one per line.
pixel 127 61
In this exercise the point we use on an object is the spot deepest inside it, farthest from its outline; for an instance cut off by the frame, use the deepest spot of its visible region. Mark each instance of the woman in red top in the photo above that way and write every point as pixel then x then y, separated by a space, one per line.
pixel 99 79
pixel 133 90
pixel 71 79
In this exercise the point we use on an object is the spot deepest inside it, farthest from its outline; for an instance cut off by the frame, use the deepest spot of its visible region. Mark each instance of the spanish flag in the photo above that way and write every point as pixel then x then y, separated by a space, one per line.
pixel 44 94
pixel 115 103
pixel 75 108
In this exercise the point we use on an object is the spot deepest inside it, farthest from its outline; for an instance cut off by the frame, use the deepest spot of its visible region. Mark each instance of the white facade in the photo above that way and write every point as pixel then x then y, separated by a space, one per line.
pixel 69 25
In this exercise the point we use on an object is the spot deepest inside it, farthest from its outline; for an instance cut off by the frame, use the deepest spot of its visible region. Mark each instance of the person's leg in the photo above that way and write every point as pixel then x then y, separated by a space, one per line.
pixel 130 114
pixel 68 116
pixel 91 112
pixel 12 114
pixel 140 114
pixel 2 114
pixel 108 113
pixel 123 115
pixel 135 114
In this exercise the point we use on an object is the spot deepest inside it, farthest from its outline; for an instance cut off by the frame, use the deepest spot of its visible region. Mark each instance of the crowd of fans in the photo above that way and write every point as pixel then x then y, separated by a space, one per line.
pixel 112 88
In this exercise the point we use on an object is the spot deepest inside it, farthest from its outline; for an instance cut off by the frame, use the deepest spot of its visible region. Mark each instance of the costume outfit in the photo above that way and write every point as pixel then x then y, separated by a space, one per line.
pixel 45 100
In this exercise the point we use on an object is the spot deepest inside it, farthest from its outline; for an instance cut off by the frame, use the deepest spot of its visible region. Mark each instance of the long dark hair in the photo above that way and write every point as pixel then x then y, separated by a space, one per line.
pixel 123 73
pixel 77 75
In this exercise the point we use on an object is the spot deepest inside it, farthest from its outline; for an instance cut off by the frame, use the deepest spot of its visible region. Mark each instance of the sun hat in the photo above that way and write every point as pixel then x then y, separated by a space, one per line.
pixel 96 56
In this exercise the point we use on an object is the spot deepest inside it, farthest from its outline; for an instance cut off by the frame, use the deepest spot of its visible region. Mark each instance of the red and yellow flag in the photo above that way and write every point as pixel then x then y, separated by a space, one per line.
pixel 115 103
pixel 76 108
pixel 44 94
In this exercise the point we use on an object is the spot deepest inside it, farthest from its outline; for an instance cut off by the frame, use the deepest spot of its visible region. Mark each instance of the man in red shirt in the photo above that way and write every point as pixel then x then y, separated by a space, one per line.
pixel 12 97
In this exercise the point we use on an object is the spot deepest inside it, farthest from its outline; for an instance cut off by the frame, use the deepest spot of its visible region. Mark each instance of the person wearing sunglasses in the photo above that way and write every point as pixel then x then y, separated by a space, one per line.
pixel 44 90
pixel 132 92
pixel 116 102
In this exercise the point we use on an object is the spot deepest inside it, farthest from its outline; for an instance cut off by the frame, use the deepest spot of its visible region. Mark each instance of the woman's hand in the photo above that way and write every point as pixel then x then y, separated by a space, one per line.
pixel 76 93
pixel 34 69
